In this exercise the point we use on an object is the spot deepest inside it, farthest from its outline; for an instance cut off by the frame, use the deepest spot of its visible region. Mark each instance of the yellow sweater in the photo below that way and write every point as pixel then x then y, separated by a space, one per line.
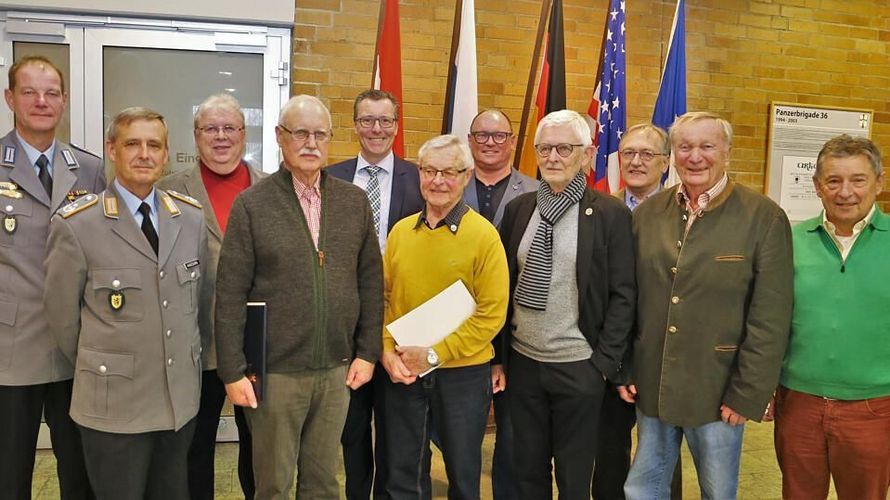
pixel 420 263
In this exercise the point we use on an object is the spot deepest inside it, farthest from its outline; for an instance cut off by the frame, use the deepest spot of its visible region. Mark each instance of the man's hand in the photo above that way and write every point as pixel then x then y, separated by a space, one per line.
pixel 770 413
pixel 414 358
pixel 628 393
pixel 397 370
pixel 360 372
pixel 241 393
pixel 731 417
pixel 498 379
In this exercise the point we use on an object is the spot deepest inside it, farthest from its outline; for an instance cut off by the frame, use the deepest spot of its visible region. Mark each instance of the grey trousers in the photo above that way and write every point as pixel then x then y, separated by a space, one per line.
pixel 297 427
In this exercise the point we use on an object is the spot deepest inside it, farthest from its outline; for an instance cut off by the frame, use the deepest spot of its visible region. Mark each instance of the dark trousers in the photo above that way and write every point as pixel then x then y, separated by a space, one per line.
pixel 503 485
pixel 202 451
pixel 22 407
pixel 456 401
pixel 148 465
pixel 617 419
pixel 555 409
pixel 364 450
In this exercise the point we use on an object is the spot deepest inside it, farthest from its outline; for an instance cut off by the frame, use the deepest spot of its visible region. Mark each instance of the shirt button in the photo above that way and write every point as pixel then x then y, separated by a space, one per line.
pixel 169 361
pixel 168 333
pixel 164 304
pixel 675 300
pixel 672 329
pixel 679 243
pixel 162 274
pixel 674 270
pixel 116 283
pixel 685 217
pixel 103 368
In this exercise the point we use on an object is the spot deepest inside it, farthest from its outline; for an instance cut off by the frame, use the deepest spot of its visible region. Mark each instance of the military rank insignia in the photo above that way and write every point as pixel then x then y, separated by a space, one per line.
pixel 116 300
pixel 10 224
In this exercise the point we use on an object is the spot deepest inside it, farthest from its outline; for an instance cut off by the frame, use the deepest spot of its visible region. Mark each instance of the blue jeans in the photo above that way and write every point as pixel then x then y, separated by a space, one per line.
pixel 716 449
pixel 456 402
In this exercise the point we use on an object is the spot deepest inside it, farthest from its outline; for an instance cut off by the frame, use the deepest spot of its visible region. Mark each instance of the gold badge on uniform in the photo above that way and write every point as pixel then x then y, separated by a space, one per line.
pixel 9 193
pixel 116 300
pixel 10 224
pixel 75 194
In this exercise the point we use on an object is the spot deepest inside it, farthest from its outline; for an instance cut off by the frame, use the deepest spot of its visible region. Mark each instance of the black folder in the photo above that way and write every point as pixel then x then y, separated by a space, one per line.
pixel 255 347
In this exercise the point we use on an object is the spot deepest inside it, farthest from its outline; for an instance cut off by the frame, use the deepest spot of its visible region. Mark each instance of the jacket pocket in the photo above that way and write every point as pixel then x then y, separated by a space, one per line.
pixel 189 277
pixel 729 258
pixel 726 348
pixel 7 332
pixel 117 294
pixel 104 384
pixel 14 213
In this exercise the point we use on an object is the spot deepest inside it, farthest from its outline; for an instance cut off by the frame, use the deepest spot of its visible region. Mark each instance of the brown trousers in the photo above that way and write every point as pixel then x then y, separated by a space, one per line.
pixel 818 438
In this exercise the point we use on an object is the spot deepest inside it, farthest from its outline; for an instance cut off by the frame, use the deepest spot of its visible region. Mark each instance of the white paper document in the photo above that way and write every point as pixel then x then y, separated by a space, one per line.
pixel 432 321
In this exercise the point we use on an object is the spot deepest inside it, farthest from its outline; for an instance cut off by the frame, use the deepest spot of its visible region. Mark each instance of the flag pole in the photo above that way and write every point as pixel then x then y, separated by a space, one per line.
pixel 533 70
pixel 380 20
pixel 449 88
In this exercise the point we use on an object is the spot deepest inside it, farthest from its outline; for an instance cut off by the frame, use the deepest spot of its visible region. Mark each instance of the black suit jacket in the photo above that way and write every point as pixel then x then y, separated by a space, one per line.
pixel 406 199
pixel 604 270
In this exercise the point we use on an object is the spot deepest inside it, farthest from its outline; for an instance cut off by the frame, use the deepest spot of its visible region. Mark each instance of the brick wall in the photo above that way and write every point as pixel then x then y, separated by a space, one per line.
pixel 741 55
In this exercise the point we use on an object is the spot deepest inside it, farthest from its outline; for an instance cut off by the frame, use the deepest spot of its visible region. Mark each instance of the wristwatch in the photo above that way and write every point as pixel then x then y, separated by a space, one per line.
pixel 431 357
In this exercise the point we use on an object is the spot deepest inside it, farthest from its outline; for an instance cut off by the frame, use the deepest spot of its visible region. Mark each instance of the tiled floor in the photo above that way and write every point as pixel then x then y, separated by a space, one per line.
pixel 760 479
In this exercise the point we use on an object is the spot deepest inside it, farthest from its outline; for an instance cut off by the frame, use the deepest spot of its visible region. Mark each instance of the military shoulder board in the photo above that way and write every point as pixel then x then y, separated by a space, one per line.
pixel 79 205
pixel 185 198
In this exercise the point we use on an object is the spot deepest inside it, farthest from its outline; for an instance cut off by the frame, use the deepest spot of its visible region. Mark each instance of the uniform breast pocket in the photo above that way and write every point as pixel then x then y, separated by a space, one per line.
pixel 117 294
pixel 14 215
pixel 104 383
pixel 189 274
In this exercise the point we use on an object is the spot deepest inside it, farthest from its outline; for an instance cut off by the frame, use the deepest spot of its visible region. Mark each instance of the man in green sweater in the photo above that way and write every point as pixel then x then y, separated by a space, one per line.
pixel 833 403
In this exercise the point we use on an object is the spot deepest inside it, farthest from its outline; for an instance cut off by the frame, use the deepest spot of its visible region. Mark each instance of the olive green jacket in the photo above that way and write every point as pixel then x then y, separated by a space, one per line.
pixel 714 306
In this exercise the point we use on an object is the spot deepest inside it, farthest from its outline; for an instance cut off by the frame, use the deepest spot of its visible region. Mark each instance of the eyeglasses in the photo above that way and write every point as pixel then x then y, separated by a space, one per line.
pixel 564 150
pixel 301 135
pixel 449 174
pixel 369 121
pixel 497 137
pixel 214 130
pixel 645 155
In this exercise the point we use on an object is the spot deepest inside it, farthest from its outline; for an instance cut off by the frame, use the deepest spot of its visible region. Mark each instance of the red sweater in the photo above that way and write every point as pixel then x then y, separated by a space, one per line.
pixel 222 190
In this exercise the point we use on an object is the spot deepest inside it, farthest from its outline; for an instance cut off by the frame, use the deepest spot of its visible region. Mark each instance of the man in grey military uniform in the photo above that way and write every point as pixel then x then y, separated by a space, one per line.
pixel 38 174
pixel 215 182
pixel 125 271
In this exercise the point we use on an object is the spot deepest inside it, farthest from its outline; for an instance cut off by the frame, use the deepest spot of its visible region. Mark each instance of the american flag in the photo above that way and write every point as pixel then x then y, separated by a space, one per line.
pixel 607 107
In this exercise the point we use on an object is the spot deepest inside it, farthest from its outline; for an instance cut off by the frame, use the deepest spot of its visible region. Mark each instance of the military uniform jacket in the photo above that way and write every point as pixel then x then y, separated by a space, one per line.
pixel 28 353
pixel 128 319
pixel 189 182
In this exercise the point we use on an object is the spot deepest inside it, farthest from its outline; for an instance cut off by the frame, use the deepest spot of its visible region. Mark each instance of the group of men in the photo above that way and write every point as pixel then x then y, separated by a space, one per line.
pixel 122 309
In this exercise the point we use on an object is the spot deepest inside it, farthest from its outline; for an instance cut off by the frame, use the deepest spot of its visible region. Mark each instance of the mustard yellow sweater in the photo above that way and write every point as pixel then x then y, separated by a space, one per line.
pixel 420 263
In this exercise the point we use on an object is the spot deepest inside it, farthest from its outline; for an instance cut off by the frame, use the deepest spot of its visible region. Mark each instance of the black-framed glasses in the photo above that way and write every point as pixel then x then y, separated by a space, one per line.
pixel 369 121
pixel 564 150
pixel 449 174
pixel 214 130
pixel 498 137
pixel 303 135
pixel 645 155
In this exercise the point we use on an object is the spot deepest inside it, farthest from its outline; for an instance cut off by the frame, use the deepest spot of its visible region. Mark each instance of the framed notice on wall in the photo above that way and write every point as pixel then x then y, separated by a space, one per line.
pixel 796 134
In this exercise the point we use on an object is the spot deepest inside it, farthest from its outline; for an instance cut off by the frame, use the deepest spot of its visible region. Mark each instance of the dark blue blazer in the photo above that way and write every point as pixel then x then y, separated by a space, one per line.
pixel 406 199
